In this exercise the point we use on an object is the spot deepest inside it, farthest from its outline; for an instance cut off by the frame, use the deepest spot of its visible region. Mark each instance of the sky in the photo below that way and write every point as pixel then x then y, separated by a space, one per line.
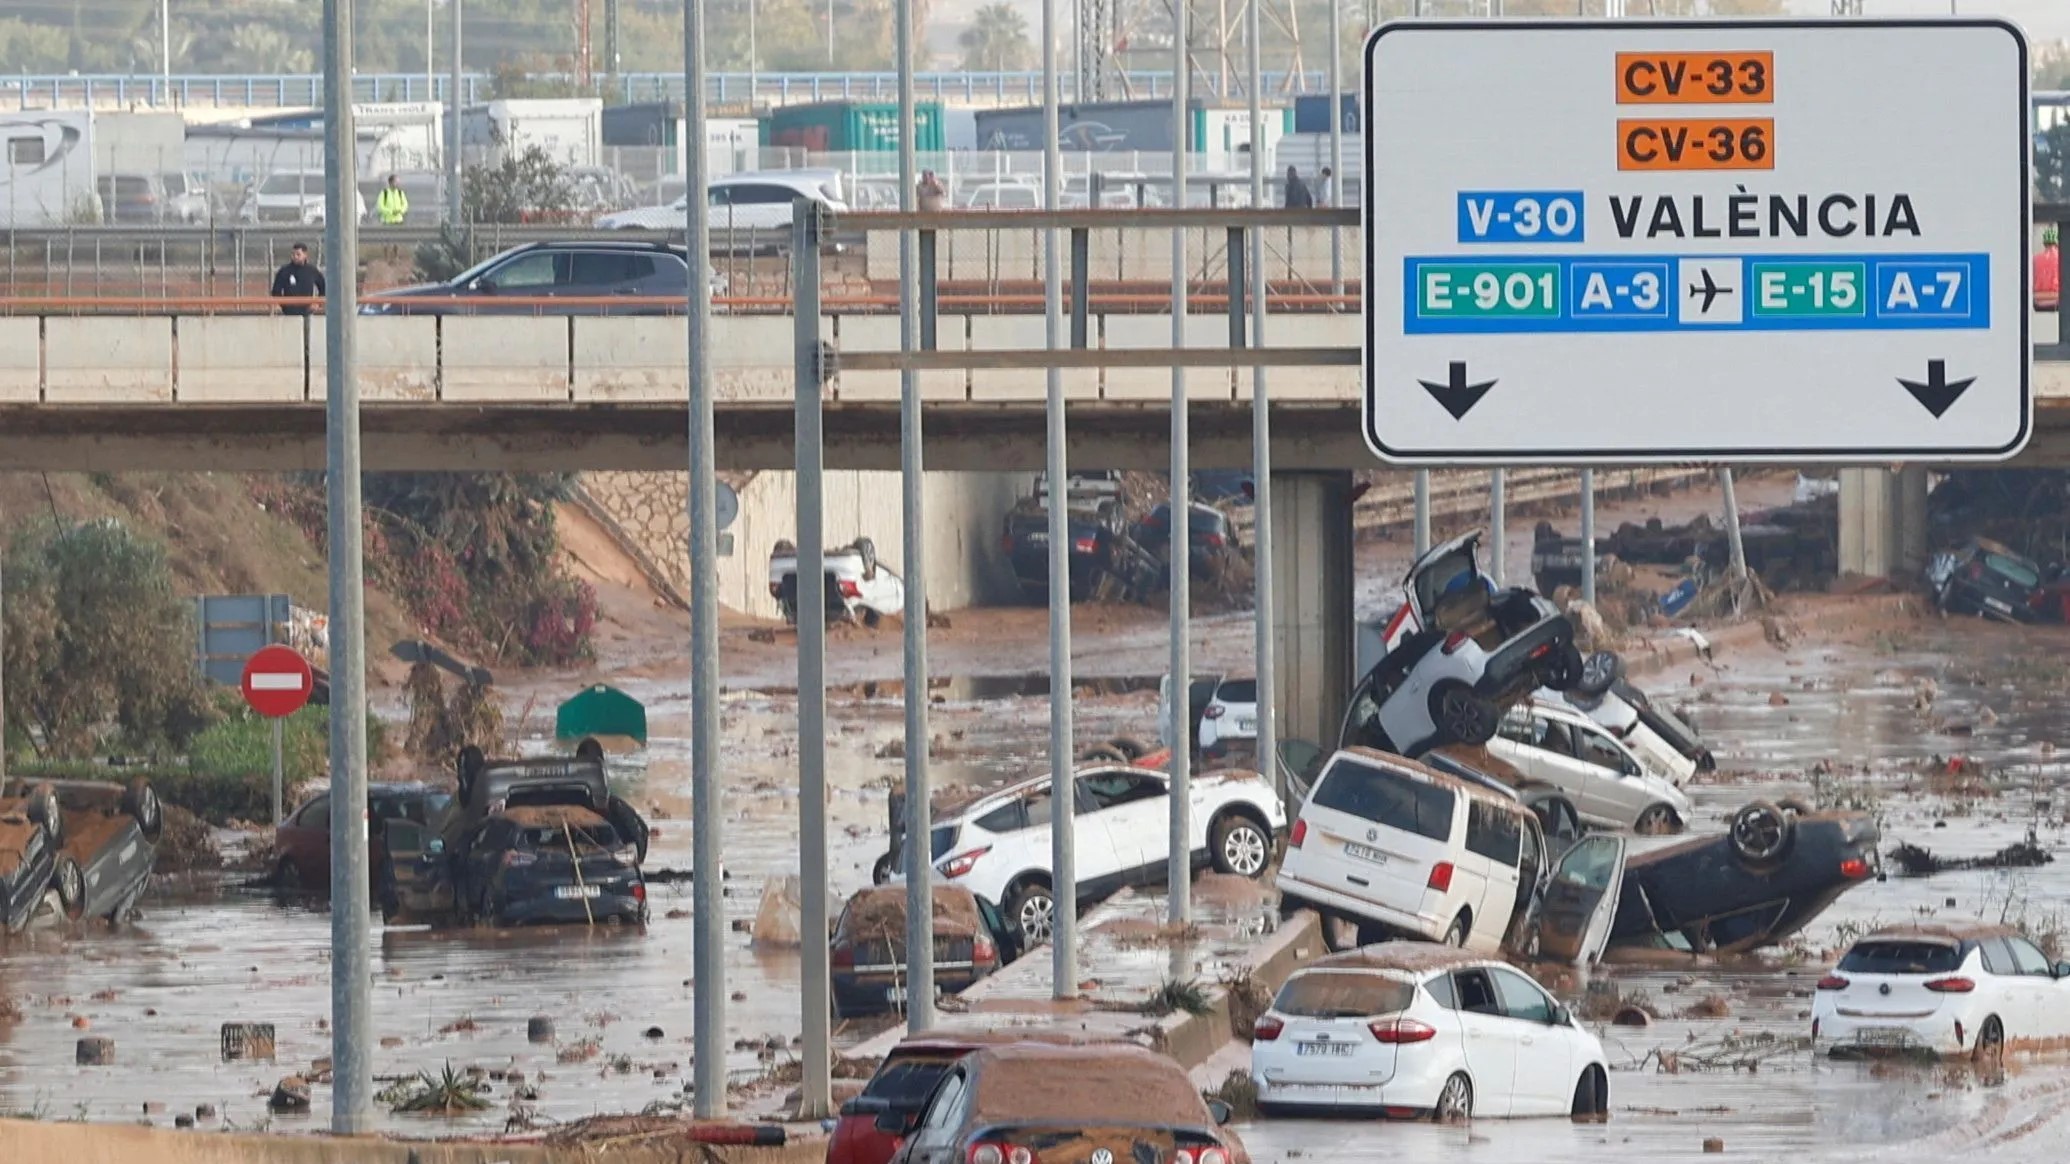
pixel 2043 19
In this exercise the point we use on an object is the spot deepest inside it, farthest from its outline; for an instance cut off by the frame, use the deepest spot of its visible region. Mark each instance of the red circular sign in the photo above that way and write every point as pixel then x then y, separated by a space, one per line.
pixel 277 681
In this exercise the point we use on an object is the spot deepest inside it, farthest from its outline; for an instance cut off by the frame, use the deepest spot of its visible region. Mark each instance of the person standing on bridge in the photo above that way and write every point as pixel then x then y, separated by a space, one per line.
pixel 392 205
pixel 1298 196
pixel 299 281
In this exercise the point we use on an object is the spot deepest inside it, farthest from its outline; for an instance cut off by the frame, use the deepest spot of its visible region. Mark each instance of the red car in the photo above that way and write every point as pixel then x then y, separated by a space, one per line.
pixel 302 842
pixel 906 1080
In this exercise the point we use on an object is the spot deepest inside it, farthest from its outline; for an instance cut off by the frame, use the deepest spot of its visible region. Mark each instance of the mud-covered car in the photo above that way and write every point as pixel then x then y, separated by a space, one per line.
pixel 1989 580
pixel 868 947
pixel 31 828
pixel 873 1124
pixel 1460 652
pixel 1767 877
pixel 110 843
pixel 526 842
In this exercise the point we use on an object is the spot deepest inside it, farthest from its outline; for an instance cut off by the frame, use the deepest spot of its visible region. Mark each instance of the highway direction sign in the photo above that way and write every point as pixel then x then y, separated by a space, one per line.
pixel 1595 241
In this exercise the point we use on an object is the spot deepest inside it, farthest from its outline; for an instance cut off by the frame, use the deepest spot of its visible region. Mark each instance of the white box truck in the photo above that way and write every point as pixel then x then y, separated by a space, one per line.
pixel 570 130
pixel 46 168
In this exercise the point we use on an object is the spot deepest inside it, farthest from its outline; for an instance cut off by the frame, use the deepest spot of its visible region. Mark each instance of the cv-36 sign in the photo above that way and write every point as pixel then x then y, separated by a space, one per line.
pixel 1629 241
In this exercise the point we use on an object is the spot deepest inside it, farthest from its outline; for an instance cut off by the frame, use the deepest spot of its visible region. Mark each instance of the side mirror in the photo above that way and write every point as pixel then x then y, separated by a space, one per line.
pixel 1222 1112
pixel 1560 1017
pixel 2062 970
pixel 869 1105
pixel 434 846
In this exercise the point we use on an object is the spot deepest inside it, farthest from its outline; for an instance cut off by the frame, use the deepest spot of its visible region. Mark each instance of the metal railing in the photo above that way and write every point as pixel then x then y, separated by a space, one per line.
pixel 295 90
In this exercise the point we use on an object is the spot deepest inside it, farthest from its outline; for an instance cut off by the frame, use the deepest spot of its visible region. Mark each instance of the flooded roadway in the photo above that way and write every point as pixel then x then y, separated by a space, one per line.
pixel 162 988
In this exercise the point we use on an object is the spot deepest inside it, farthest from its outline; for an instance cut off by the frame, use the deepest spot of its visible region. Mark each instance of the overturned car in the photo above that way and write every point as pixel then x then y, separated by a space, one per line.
pixel 526 842
pixel 31 827
pixel 98 842
pixel 1460 651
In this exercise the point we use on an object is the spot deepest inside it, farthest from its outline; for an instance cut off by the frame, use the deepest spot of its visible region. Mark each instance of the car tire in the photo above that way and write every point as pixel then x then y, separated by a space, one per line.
pixel 1761 833
pixel 287 876
pixel 1658 820
pixel 44 810
pixel 625 820
pixel 140 800
pixel 1795 806
pixel 1033 907
pixel 1102 754
pixel 1455 1101
pixel 1240 845
pixel 1591 1096
pixel 1461 716
pixel 1131 748
pixel 1989 1050
pixel 71 888
pixel 1457 933
pixel 880 873
pixel 1599 671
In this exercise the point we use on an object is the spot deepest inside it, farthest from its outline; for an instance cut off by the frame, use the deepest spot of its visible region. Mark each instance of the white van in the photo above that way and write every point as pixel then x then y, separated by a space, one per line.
pixel 1387 842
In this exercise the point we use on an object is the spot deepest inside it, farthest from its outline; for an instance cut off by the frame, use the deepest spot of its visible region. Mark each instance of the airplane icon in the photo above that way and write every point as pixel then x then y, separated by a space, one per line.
pixel 1709 289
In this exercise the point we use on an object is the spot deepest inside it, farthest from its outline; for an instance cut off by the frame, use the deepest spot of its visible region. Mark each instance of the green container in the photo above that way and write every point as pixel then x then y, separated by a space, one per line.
pixel 851 127
pixel 601 711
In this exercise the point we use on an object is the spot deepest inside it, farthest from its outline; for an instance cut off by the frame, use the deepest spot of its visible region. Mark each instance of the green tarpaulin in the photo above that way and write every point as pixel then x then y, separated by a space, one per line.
pixel 601 711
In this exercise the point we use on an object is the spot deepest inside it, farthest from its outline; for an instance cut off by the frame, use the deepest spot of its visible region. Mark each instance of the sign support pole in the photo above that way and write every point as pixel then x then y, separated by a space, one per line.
pixel 1063 820
pixel 1588 536
pixel 815 978
pixel 1178 544
pixel 277 770
pixel 1498 526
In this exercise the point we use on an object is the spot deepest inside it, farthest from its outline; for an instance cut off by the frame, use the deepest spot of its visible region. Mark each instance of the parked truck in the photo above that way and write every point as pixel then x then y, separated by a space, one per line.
pixel 570 131
pixel 48 176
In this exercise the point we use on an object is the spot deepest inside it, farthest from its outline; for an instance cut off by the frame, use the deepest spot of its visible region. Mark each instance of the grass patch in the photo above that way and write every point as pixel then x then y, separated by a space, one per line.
pixel 1177 995
pixel 448 1093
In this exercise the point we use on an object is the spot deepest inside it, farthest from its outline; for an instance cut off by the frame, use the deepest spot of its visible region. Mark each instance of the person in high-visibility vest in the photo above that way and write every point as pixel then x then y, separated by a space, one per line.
pixel 393 204
pixel 2048 273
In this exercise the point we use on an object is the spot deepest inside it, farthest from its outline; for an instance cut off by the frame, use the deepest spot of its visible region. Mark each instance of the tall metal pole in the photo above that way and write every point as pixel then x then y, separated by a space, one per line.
pixel 456 100
pixel 352 1025
pixel 1336 142
pixel 814 1000
pixel 1063 856
pixel 3 669
pixel 165 45
pixel 1267 664
pixel 279 766
pixel 1588 536
pixel 754 63
pixel 919 876
pixel 430 52
pixel 708 901
pixel 1179 545
pixel 1735 546
pixel 1498 526
pixel 1421 489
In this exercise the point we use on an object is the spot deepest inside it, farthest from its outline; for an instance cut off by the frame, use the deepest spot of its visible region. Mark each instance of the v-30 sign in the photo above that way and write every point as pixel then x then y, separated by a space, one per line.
pixel 1630 241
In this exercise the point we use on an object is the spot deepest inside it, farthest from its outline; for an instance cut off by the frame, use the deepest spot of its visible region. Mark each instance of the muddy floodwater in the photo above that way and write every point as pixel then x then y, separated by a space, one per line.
pixel 1866 719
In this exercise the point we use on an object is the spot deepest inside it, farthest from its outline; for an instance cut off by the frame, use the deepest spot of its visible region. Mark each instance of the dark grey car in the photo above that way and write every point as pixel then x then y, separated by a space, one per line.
pixel 652 278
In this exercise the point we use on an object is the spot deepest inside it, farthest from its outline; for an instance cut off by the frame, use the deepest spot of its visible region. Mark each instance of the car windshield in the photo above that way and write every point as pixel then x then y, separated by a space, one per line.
pixel 558 838
pixel 1386 797
pixel 1238 691
pixel 1342 994
pixel 2012 568
pixel 291 183
pixel 1902 957
pixel 907 1082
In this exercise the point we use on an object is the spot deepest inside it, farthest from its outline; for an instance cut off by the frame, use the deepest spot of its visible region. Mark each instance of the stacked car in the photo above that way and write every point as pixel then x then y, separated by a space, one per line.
pixel 91 842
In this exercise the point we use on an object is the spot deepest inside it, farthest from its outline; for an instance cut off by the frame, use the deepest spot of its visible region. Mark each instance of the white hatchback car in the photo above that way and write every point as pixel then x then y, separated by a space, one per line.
pixel 1551 743
pixel 1967 989
pixel 1411 1030
pixel 999 846
pixel 741 205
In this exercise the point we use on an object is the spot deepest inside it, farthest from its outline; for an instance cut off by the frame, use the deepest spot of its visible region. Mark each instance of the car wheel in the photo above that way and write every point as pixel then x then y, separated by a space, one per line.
pixel 1657 821
pixel 1761 833
pixel 1456 935
pixel 287 876
pixel 1034 909
pixel 1566 669
pixel 1460 715
pixel 1455 1102
pixel 71 888
pixel 140 800
pixel 1591 1096
pixel 880 873
pixel 1240 846
pixel 1990 1048
pixel 1131 748
pixel 44 810
pixel 1102 754
pixel 1598 671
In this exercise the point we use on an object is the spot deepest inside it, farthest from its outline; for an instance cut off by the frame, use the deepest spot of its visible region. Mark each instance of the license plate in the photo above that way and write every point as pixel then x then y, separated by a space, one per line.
pixel 574 892
pixel 1247 726
pixel 1998 606
pixel 1883 1037
pixel 1365 852
pixel 894 994
pixel 1331 1049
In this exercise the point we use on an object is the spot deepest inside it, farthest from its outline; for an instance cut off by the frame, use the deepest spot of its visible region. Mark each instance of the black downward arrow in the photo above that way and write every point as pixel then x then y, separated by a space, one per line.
pixel 1939 393
pixel 1457 396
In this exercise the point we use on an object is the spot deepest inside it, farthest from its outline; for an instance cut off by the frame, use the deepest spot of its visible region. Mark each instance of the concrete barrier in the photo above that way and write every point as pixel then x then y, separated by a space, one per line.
pixel 21 361
pixel 244 358
pixel 1308 331
pixel 872 333
pixel 1155 331
pixel 398 358
pixel 107 360
pixel 54 1143
pixel 754 357
pixel 625 360
pixel 487 358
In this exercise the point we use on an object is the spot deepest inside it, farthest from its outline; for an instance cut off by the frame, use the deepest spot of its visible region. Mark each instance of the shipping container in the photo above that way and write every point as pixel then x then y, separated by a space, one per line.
pixel 647 123
pixel 1312 113
pixel 851 126
pixel 1093 127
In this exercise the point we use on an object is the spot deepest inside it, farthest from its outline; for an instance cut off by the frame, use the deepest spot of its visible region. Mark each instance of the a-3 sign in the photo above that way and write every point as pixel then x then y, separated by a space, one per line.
pixel 1745 240
pixel 277 682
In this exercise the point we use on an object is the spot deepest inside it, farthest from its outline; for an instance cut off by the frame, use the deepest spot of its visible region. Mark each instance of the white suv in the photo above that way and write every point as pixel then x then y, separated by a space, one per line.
pixel 1551 743
pixel 998 846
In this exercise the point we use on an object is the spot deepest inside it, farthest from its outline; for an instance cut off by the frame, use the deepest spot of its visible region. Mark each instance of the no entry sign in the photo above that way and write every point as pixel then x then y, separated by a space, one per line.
pixel 277 681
